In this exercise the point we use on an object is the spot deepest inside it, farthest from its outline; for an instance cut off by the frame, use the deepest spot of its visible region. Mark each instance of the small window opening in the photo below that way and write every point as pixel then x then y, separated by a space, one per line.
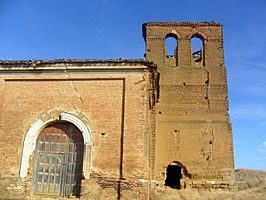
pixel 171 46
pixel 173 176
pixel 197 49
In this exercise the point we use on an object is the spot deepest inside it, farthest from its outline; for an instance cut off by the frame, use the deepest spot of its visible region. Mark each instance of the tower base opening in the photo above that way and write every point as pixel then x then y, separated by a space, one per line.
pixel 173 176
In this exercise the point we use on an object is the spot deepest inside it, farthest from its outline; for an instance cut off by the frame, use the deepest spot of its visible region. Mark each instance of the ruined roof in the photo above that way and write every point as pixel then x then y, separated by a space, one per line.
pixel 193 24
pixel 76 63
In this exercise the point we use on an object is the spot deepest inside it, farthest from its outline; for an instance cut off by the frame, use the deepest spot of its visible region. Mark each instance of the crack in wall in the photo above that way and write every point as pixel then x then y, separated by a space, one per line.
pixel 207 88
pixel 75 90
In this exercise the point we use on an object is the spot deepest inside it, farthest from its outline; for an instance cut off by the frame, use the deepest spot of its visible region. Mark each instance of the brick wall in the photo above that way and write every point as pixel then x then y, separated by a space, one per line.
pixel 115 104
pixel 192 121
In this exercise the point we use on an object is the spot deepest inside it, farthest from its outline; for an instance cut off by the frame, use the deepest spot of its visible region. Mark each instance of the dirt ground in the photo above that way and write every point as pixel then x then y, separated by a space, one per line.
pixel 251 184
pixel 256 193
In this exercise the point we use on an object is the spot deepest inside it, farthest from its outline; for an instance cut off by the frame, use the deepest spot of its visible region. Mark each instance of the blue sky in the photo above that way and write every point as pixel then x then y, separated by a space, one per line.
pixel 50 29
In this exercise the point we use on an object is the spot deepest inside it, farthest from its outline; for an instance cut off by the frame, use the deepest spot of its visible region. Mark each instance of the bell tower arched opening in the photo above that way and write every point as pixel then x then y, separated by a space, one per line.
pixel 197 49
pixel 171 49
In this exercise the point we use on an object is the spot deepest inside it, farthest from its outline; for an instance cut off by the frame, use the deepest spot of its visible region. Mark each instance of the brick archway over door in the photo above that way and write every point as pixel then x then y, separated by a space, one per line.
pixel 32 135
pixel 58 160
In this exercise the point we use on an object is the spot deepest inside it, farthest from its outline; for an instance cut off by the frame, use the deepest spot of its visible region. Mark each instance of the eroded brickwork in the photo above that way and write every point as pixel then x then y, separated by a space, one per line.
pixel 192 121
pixel 115 102
pixel 144 125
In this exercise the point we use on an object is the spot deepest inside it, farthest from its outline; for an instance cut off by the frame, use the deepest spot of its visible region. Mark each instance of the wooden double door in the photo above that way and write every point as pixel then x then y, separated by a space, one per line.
pixel 58 160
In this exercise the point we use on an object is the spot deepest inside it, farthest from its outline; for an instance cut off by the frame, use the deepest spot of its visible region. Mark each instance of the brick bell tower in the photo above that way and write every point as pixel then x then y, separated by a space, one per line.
pixel 193 142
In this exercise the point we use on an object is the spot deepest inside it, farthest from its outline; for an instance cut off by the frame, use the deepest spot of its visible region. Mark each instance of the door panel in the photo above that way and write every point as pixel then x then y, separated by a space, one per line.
pixel 58 160
pixel 48 173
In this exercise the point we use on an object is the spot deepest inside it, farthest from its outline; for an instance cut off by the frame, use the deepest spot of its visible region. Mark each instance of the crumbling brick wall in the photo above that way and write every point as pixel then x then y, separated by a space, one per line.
pixel 140 122
pixel 192 121
pixel 114 99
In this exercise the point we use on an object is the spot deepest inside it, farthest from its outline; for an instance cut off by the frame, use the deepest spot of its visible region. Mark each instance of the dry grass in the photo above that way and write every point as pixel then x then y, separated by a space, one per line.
pixel 252 186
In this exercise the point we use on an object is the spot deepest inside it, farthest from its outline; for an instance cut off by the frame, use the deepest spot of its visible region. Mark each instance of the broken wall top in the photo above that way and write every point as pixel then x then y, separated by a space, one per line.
pixel 79 64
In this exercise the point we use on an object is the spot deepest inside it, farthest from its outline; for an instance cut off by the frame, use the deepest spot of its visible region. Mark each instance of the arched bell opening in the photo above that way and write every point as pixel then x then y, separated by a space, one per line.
pixel 171 49
pixel 197 49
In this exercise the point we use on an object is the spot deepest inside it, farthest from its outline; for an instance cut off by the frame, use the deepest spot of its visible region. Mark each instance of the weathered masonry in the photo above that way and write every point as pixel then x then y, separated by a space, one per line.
pixel 68 125
pixel 119 128
pixel 193 130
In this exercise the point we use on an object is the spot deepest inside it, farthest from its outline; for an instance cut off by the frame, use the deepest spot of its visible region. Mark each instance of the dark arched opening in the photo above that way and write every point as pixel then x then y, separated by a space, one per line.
pixel 173 176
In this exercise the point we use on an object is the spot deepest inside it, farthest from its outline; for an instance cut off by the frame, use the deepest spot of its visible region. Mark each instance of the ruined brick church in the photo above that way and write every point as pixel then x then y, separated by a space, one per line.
pixel 125 126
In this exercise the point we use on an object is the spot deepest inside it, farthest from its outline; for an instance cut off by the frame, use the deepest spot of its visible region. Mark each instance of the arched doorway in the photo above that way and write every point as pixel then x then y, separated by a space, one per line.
pixel 58 160
pixel 176 175
pixel 173 176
